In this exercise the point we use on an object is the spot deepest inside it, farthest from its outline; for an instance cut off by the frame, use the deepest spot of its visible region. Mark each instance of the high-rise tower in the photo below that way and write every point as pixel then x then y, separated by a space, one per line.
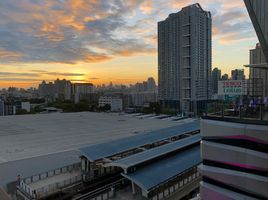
pixel 184 59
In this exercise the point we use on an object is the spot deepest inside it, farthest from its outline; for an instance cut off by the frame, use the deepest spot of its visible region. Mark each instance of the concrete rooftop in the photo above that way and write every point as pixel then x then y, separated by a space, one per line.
pixel 25 136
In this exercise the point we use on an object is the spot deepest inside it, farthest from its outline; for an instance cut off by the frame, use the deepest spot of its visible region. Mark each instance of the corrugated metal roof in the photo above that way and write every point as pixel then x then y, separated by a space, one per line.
pixel 36 165
pixel 24 136
pixel 153 175
pixel 98 151
pixel 150 154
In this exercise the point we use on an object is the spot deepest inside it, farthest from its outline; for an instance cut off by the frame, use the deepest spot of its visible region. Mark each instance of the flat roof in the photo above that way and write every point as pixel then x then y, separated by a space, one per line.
pixel 150 154
pixel 24 136
pixel 110 148
pixel 159 172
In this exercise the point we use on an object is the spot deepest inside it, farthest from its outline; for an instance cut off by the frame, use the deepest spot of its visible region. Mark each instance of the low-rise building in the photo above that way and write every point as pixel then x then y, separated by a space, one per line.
pixel 26 106
pixel 2 108
pixel 82 91
pixel 115 103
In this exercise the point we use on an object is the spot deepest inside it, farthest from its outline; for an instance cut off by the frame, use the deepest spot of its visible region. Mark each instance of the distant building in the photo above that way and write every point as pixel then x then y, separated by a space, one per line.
pixel 142 93
pixel 82 90
pixel 7 108
pixel 115 103
pixel 142 98
pixel 184 59
pixel 2 108
pixel 238 74
pixel 26 106
pixel 10 109
pixel 151 85
pixel 216 76
pixel 63 89
pixel 46 90
pixel 225 77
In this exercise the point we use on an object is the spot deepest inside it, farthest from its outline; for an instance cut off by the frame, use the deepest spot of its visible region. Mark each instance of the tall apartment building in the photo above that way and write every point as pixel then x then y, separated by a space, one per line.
pixel 216 76
pixel 257 10
pixel 184 59
pixel 258 77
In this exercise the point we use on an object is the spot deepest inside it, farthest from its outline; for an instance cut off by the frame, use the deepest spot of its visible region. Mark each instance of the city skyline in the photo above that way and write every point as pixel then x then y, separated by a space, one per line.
pixel 62 40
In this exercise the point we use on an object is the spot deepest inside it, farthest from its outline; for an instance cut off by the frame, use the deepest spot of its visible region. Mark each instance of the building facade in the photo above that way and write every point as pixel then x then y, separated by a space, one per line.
pixel 257 10
pixel 216 76
pixel 115 103
pixel 184 59
pixel 63 89
pixel 82 91
pixel 2 108
pixel 235 157
pixel 258 77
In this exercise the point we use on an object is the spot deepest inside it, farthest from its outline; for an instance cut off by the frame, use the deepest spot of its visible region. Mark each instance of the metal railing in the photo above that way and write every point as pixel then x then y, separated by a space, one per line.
pixel 243 111
pixel 107 190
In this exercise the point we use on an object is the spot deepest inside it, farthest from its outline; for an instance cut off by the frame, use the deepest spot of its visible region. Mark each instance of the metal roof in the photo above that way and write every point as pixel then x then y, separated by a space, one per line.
pixel 151 154
pixel 24 136
pixel 157 173
pixel 98 151
pixel 36 165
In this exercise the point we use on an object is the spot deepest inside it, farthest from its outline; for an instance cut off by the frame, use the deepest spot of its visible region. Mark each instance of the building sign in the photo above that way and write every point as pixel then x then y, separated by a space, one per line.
pixel 231 87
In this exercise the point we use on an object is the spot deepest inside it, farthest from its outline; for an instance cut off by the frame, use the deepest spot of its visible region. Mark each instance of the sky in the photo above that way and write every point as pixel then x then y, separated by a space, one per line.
pixel 102 41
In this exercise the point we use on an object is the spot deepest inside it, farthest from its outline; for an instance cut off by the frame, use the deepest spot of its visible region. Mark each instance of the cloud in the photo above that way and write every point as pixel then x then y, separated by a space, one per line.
pixel 43 72
pixel 60 31
pixel 147 6
pixel 93 31
pixel 12 79
pixel 14 74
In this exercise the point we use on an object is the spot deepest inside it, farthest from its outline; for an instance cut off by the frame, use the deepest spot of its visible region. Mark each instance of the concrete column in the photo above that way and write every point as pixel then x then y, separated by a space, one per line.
pixel 133 188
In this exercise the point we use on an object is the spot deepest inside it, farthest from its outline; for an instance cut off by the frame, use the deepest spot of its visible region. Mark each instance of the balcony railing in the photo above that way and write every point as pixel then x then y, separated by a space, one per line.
pixel 246 112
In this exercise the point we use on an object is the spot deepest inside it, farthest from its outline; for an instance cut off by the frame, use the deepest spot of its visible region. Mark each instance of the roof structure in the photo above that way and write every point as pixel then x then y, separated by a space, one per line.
pixel 24 136
pixel 36 165
pixel 154 153
pixel 159 172
pixel 106 149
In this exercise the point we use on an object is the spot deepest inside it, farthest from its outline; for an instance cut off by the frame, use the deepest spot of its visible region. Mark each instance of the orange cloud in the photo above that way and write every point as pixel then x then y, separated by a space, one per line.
pixel 147 7
pixel 96 58
pixel 8 55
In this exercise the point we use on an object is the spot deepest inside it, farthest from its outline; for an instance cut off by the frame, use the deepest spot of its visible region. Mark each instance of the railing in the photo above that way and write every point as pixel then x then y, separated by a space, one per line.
pixel 48 189
pixel 55 187
pixel 238 111
pixel 107 191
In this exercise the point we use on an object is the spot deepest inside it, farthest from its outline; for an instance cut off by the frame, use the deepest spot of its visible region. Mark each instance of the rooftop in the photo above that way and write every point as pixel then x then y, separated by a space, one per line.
pixel 151 154
pixel 25 136
pixel 99 151
pixel 159 172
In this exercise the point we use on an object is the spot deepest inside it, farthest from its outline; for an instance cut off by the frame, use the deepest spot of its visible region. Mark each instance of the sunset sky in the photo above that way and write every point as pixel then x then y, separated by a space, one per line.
pixel 100 41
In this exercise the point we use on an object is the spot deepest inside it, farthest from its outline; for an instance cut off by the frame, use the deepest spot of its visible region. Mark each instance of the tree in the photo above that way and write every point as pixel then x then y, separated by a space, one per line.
pixel 107 107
